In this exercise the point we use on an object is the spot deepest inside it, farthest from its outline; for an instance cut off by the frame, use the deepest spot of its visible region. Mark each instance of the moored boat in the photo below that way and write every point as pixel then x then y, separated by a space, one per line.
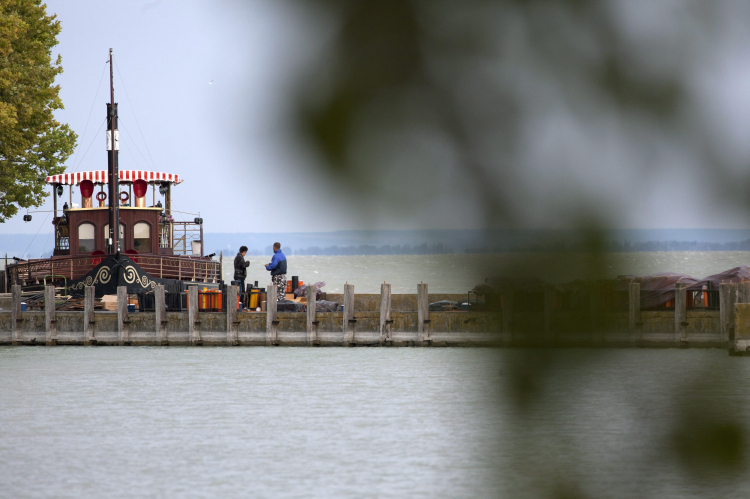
pixel 150 246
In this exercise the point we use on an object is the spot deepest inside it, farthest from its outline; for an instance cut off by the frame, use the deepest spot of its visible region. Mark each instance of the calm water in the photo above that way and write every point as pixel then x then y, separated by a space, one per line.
pixel 459 273
pixel 304 422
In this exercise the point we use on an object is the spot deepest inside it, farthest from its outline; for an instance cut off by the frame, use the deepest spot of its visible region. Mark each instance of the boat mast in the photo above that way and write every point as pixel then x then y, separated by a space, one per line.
pixel 113 146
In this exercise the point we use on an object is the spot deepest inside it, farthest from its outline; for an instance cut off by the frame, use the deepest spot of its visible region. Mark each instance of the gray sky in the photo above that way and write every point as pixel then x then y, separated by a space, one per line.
pixel 228 139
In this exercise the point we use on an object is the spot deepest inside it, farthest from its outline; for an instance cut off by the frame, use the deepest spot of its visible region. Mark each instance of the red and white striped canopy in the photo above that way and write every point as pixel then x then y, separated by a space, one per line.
pixel 100 177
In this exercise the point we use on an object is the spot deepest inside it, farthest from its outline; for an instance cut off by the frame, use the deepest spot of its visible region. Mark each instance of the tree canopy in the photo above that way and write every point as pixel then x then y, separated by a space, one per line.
pixel 33 145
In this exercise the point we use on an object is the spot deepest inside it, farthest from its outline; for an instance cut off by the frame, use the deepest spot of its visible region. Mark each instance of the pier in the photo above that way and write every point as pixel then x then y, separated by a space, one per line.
pixel 393 320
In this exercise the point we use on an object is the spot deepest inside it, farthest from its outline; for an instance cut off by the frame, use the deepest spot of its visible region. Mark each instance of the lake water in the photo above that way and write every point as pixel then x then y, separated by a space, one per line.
pixel 459 273
pixel 303 422
pixel 379 422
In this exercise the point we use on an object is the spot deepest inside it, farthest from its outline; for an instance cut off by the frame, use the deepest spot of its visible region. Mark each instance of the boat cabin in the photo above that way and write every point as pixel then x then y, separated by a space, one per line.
pixel 146 225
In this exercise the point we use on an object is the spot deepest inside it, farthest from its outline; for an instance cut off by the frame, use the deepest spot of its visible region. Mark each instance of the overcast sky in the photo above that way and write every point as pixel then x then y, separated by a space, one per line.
pixel 243 173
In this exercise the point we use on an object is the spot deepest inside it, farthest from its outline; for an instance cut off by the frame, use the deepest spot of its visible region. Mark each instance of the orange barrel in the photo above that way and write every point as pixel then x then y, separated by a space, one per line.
pixel 289 286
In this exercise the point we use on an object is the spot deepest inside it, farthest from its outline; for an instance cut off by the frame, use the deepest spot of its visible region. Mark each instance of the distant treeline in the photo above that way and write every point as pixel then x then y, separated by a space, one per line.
pixel 548 247
pixel 622 247
pixel 362 249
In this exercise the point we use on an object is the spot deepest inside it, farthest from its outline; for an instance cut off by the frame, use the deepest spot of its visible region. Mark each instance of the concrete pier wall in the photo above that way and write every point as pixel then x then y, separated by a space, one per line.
pixel 360 324
pixel 446 328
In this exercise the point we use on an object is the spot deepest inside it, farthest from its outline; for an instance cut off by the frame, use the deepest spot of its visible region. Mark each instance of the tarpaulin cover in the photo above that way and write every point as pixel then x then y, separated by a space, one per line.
pixel 656 289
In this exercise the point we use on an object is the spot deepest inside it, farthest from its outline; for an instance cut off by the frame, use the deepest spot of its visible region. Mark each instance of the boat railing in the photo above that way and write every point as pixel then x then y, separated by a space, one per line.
pixel 70 268
pixel 182 236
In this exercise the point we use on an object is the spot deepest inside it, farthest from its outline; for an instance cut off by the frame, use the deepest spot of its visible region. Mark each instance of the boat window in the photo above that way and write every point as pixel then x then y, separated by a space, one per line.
pixel 142 238
pixel 86 238
pixel 122 233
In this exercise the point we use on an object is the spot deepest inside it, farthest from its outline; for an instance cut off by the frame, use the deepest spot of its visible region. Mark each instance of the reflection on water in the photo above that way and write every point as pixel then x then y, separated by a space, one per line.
pixel 298 422
pixel 459 273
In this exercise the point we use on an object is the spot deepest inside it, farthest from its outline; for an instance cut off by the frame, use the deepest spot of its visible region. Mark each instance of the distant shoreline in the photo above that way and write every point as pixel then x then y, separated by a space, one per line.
pixel 431 242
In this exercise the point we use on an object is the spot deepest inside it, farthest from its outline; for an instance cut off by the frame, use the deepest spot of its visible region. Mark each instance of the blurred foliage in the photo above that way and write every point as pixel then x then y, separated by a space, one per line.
pixel 401 83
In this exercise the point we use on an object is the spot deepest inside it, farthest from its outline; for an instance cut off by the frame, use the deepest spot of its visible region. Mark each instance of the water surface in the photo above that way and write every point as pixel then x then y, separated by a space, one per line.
pixel 362 422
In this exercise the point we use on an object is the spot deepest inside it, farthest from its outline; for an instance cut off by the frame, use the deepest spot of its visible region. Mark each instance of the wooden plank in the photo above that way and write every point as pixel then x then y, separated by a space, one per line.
pixel 50 322
pixel 193 323
pixel 123 323
pixel 423 315
pixel 160 313
pixel 385 314
pixel 634 311
pixel 16 315
pixel 680 311
pixel 312 323
pixel 271 316
pixel 232 322
pixel 88 315
pixel 348 316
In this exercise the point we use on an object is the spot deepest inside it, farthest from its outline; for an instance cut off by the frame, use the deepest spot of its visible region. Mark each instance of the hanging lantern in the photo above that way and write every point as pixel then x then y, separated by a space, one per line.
pixel 59 190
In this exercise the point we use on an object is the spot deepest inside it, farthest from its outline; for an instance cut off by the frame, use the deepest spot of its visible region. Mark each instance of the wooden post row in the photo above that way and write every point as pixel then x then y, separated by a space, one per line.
pixel 312 322
pixel 680 311
pixel 232 322
pixel 423 315
pixel 193 322
pixel 634 310
pixel 386 324
pixel 727 300
pixel 160 315
pixel 123 321
pixel 16 316
pixel 50 321
pixel 348 317
pixel 272 322
pixel 88 315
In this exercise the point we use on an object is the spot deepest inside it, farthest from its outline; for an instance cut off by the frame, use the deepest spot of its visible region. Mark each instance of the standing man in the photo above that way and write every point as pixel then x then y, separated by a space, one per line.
pixel 278 271
pixel 240 268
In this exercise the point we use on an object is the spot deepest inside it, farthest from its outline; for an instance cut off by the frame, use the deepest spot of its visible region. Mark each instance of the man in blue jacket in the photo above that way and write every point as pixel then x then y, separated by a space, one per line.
pixel 278 271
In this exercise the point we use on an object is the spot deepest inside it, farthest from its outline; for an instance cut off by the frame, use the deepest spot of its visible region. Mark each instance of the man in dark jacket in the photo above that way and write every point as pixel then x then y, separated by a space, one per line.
pixel 278 271
pixel 240 268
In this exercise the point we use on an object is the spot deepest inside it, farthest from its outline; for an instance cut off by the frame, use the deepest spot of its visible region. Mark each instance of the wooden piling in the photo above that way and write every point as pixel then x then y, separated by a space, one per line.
pixel 743 292
pixel 123 321
pixel 232 322
pixel 272 322
pixel 312 322
pixel 50 322
pixel 386 324
pixel 507 307
pixel 16 316
pixel 193 322
pixel 348 318
pixel 680 312
pixel 634 311
pixel 727 301
pixel 88 315
pixel 595 309
pixel 160 315
pixel 549 312
pixel 423 315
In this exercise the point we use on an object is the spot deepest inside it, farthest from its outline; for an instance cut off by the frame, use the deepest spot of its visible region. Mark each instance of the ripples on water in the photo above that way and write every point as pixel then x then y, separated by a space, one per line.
pixel 304 422
pixel 459 273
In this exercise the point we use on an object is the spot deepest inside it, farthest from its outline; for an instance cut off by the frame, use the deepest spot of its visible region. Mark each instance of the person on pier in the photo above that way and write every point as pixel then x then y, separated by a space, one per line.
pixel 278 271
pixel 240 268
